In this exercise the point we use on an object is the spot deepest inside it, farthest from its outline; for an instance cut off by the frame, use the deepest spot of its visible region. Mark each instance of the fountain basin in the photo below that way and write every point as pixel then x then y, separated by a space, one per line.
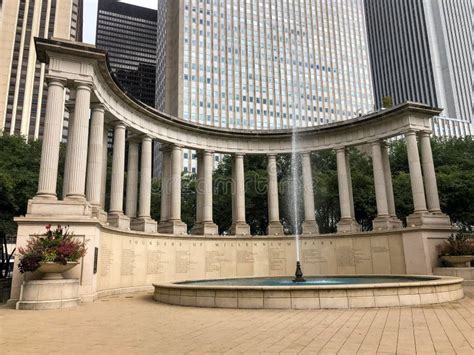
pixel 342 291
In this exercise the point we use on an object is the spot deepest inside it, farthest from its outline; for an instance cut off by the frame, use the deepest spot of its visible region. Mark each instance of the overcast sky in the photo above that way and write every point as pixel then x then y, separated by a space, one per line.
pixel 90 16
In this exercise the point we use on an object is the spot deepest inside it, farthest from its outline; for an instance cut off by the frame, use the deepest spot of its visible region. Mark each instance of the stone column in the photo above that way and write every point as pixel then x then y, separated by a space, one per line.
pixel 435 217
pixel 239 225
pixel 132 180
pixel 349 183
pixel 382 220
pixel 79 143
pixel 347 222
pixel 204 221
pixel 274 225
pixel 165 177
pixel 144 222
pixel 95 161
pixel 103 184
pixel 174 224
pixel 48 174
pixel 69 158
pixel 309 224
pixel 394 221
pixel 116 216
pixel 416 178
pixel 429 175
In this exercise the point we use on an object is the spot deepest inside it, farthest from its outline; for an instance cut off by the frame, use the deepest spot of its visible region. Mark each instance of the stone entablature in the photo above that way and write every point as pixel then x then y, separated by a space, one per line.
pixel 74 61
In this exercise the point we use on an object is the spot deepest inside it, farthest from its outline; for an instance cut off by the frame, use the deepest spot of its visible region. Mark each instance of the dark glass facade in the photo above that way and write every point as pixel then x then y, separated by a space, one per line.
pixel 128 33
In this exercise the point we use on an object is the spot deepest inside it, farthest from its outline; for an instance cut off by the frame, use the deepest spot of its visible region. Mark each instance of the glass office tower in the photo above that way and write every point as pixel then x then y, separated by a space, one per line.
pixel 266 64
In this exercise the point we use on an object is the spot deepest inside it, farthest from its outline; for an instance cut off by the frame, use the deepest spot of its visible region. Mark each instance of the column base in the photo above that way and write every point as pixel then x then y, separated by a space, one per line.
pixel 118 220
pixel 46 206
pixel 310 228
pixel 386 222
pixel 275 228
pixel 49 294
pixel 205 228
pixel 348 225
pixel 99 213
pixel 142 224
pixel 176 227
pixel 428 219
pixel 239 228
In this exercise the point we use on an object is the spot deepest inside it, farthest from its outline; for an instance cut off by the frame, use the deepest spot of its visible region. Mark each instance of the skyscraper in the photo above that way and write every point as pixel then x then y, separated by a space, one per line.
pixel 267 64
pixel 128 33
pixel 22 90
pixel 421 50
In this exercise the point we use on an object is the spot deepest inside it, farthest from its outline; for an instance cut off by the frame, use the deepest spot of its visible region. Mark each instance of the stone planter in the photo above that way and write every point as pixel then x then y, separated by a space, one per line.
pixel 54 271
pixel 458 260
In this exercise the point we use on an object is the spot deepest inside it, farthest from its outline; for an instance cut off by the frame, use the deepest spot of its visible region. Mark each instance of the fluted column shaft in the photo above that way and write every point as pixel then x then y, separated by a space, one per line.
pixel 175 186
pixel 103 184
pixel 349 183
pixel 79 143
pixel 388 181
pixel 342 178
pixel 273 205
pixel 207 161
pixel 379 180
pixel 200 187
pixel 48 174
pixel 416 178
pixel 69 158
pixel 95 159
pixel 308 195
pixel 238 196
pixel 118 167
pixel 429 174
pixel 165 184
pixel 132 180
pixel 145 178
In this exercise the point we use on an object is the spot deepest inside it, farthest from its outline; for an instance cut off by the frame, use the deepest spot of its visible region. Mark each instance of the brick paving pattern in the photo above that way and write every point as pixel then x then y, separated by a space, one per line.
pixel 135 324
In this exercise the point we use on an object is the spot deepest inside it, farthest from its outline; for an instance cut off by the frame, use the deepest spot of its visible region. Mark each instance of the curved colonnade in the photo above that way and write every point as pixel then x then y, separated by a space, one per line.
pixel 128 250
pixel 84 70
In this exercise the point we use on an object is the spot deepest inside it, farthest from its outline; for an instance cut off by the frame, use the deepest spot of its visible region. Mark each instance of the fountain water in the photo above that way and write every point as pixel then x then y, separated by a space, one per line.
pixel 295 197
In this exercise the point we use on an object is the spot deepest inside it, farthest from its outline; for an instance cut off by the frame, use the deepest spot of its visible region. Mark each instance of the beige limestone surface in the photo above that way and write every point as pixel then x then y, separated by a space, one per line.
pixel 135 324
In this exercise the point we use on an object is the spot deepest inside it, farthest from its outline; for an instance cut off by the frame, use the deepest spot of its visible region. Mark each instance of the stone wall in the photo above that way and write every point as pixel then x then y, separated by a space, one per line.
pixel 128 260
pixel 132 260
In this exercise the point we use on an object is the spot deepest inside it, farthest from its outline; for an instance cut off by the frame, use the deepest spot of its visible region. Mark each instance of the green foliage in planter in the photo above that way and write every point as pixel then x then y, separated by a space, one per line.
pixel 456 244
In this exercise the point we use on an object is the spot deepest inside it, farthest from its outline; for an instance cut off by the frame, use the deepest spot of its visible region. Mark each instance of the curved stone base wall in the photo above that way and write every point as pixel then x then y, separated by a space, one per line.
pixel 128 260
pixel 446 289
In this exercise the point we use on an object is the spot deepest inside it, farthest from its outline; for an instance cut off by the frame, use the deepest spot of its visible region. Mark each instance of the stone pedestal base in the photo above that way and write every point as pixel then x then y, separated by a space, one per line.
pixel 348 225
pixel 240 228
pixel 428 219
pixel 118 220
pixel 99 213
pixel 275 228
pixel 144 225
pixel 310 228
pixel 173 227
pixel 386 223
pixel 49 294
pixel 41 206
pixel 205 228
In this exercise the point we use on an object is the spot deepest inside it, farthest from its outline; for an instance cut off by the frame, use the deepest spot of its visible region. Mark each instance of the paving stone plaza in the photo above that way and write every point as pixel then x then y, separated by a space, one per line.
pixel 135 324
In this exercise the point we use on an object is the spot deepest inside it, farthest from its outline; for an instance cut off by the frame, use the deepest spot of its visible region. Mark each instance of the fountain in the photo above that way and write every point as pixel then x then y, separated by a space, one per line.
pixel 340 291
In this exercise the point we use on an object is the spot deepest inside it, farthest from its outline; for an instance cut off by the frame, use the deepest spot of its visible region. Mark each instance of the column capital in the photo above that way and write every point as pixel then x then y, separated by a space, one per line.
pixel 82 85
pixel 340 149
pixel 55 80
pixel 425 133
pixel 410 132
pixel 97 106
pixel 375 142
pixel 238 155
pixel 118 124
pixel 304 154
pixel 271 155
pixel 204 152
pixel 146 138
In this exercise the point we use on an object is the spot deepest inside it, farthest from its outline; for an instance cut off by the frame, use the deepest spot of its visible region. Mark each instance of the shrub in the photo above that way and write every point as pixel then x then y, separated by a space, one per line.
pixel 456 244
